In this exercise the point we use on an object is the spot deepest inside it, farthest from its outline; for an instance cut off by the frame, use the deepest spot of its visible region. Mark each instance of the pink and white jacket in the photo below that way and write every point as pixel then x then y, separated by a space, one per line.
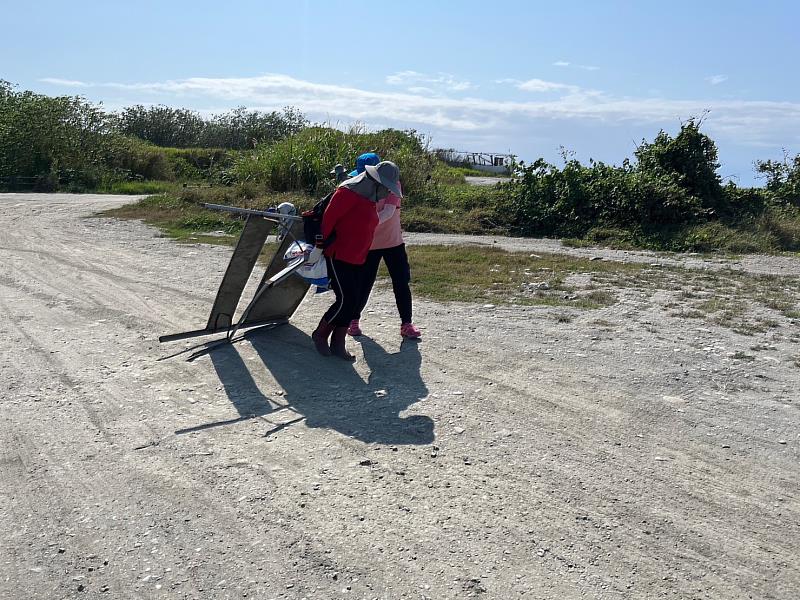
pixel 388 233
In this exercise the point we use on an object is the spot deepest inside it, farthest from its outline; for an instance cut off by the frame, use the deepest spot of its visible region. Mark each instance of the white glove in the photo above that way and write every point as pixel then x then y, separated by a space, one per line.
pixel 314 256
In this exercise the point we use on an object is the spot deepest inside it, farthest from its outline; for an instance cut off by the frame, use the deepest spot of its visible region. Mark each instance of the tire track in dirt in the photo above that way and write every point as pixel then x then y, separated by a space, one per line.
pixel 118 280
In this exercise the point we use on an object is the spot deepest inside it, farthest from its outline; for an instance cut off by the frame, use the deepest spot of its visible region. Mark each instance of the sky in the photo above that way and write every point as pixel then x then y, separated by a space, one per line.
pixel 528 78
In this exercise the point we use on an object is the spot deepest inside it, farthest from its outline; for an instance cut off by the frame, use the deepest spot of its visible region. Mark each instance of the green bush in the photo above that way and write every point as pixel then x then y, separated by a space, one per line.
pixel 303 161
pixel 230 195
pixel 546 200
pixel 50 143
pixel 783 225
pixel 193 164
pixel 691 159
pixel 428 219
pixel 131 158
pixel 469 197
pixel 716 236
pixel 744 203
pixel 181 128
pixel 783 179
pixel 41 137
pixel 444 174
pixel 612 236
pixel 671 197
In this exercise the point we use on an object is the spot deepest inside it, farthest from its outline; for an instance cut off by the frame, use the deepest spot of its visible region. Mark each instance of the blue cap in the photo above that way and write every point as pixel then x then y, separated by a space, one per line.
pixel 368 158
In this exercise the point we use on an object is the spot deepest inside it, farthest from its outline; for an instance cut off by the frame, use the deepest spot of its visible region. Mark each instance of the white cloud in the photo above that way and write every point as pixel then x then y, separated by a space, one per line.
pixel 565 63
pixel 539 85
pixel 748 122
pixel 421 90
pixel 64 82
pixel 444 81
pixel 403 77
pixel 716 79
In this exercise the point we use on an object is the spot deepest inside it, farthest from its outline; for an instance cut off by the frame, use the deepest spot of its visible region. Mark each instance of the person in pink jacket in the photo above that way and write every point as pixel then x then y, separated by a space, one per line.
pixel 388 245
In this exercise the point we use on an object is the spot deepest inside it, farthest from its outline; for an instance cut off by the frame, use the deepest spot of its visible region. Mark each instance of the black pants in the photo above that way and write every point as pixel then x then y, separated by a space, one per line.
pixel 396 261
pixel 345 281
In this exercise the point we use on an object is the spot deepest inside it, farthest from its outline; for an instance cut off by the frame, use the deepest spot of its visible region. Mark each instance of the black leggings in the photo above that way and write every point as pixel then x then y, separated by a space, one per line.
pixel 345 281
pixel 396 261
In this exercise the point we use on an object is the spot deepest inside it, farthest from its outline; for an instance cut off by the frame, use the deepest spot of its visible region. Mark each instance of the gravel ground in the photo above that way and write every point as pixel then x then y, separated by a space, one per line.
pixel 515 452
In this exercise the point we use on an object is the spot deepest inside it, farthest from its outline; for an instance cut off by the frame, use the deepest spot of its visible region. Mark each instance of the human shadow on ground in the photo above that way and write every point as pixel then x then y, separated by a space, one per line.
pixel 331 394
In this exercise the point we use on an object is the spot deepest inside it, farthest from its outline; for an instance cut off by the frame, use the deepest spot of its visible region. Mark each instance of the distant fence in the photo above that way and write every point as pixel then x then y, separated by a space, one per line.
pixel 192 186
pixel 492 162
pixel 48 183
pixel 14 183
pixel 27 183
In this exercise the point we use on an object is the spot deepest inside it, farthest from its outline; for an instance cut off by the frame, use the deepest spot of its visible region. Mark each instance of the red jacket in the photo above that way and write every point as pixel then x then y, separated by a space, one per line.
pixel 354 218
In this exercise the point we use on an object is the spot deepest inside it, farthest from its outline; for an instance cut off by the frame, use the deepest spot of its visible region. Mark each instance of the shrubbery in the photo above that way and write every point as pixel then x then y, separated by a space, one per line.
pixel 673 182
pixel 47 139
pixel 132 158
pixel 783 179
pixel 304 160
pixel 49 143
pixel 669 196
pixel 182 128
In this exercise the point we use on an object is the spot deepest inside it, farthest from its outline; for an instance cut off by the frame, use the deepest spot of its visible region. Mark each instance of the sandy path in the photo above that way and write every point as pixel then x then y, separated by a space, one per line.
pixel 508 455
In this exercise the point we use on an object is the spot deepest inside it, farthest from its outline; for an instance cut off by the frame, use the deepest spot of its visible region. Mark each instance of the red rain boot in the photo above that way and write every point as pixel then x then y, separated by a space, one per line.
pixel 338 344
pixel 320 337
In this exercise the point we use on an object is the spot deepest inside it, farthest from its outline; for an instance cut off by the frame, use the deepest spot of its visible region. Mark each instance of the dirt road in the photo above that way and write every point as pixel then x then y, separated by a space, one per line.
pixel 617 453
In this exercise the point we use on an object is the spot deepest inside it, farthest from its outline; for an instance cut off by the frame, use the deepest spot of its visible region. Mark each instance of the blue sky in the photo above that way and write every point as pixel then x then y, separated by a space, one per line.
pixel 520 77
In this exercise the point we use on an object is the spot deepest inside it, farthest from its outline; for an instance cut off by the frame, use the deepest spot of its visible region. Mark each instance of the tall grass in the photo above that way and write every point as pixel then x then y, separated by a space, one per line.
pixel 303 161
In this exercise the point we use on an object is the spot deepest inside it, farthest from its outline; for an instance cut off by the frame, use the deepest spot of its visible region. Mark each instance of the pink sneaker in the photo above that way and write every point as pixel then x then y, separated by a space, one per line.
pixel 354 328
pixel 410 331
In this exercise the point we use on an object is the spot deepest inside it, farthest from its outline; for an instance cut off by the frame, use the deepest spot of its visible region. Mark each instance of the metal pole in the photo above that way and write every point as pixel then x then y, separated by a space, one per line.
pixel 272 216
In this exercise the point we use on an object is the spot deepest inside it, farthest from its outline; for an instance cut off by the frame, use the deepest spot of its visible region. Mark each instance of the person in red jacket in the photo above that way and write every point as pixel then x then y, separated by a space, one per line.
pixel 387 244
pixel 352 216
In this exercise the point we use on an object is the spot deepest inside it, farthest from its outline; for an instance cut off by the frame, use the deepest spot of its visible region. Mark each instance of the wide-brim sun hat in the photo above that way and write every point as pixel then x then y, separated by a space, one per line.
pixel 388 175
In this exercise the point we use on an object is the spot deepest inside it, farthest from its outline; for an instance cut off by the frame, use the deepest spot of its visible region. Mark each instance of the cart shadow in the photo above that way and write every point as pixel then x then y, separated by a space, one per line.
pixel 239 386
pixel 331 394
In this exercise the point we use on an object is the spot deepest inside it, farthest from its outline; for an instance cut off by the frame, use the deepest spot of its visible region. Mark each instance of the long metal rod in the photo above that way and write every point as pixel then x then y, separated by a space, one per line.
pixel 201 332
pixel 272 216
pixel 211 346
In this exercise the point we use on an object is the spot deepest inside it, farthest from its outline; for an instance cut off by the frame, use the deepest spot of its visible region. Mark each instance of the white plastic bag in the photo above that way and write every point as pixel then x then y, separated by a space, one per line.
pixel 316 273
